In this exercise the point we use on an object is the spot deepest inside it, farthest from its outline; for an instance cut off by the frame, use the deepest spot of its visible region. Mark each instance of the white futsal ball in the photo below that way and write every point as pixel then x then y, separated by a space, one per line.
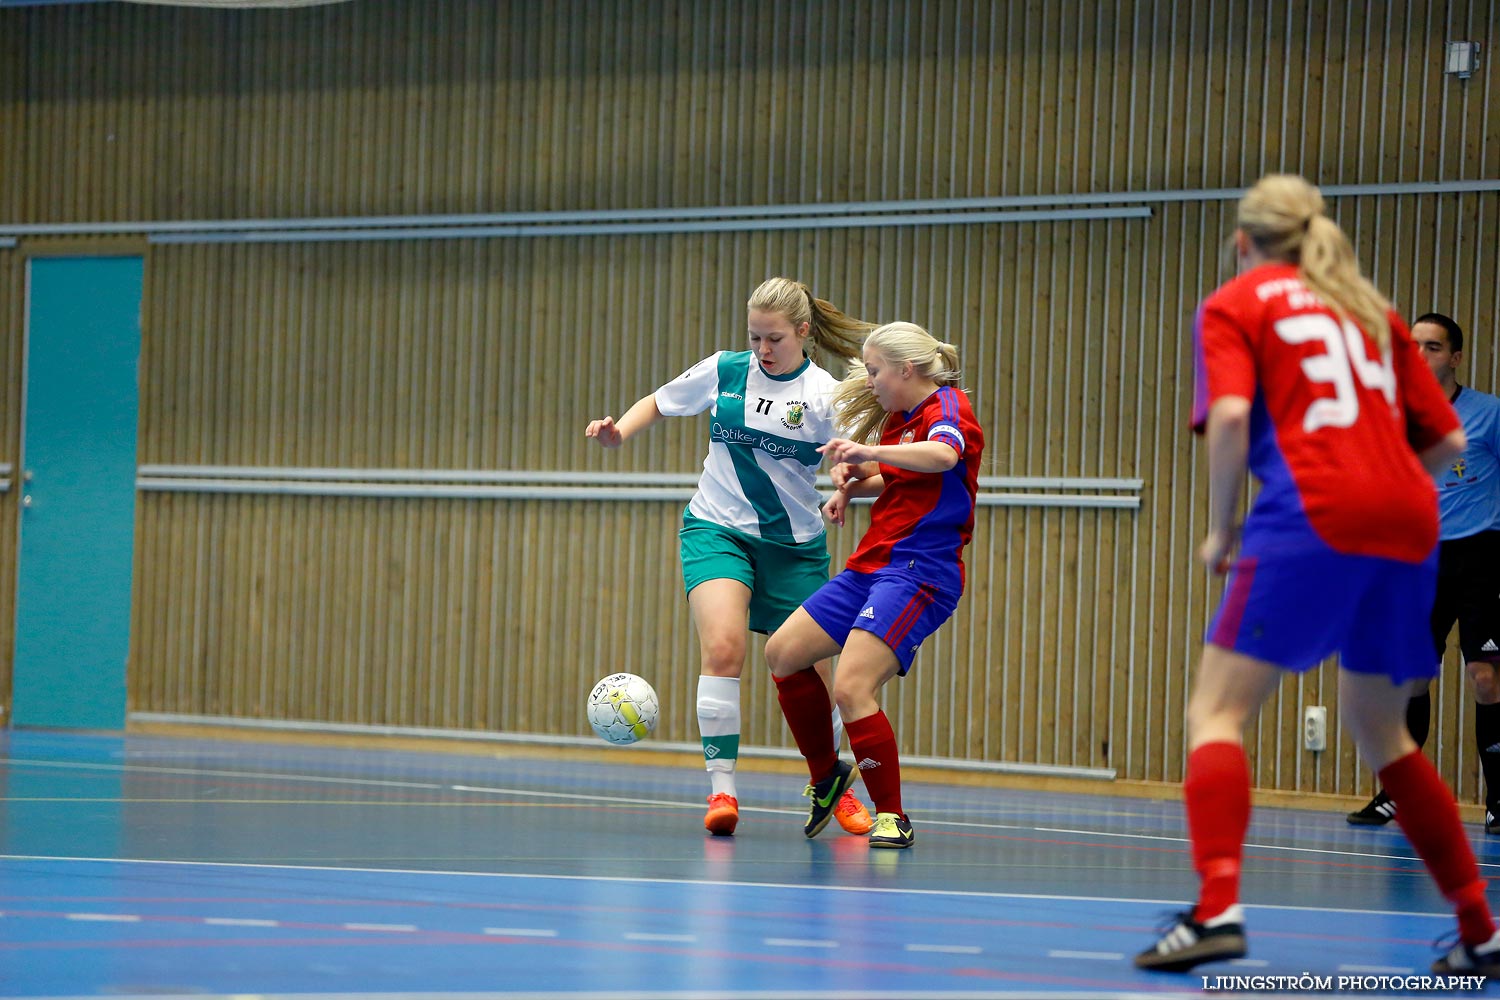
pixel 623 709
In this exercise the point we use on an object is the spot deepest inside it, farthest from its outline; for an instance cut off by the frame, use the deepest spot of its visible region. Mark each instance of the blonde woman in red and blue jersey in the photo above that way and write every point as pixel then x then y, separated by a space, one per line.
pixel 752 542
pixel 1308 379
pixel 904 579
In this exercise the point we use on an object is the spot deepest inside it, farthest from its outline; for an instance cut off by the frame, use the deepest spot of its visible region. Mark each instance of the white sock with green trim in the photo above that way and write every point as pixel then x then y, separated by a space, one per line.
pixel 719 725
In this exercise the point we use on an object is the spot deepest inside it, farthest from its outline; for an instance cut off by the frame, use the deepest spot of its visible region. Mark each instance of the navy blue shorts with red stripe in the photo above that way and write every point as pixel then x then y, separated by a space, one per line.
pixel 891 604
pixel 1293 609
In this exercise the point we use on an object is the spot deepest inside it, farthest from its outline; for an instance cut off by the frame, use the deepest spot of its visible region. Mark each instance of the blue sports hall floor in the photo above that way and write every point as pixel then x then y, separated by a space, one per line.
pixel 171 866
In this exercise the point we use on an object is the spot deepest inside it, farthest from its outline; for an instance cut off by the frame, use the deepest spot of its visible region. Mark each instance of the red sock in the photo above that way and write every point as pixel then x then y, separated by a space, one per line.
pixel 874 744
pixel 1216 791
pixel 1429 817
pixel 809 715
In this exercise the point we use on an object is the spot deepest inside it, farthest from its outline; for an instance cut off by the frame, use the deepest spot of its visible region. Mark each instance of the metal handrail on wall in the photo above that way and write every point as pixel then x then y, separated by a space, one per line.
pixel 741 225
pixel 510 484
pixel 890 212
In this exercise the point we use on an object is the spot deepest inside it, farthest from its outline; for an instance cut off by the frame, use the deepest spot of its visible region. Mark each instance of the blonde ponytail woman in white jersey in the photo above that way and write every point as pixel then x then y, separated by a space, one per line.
pixel 752 542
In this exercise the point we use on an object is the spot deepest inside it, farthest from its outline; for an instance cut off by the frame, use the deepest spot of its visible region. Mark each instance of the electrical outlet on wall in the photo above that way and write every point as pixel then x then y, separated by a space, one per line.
pixel 1315 728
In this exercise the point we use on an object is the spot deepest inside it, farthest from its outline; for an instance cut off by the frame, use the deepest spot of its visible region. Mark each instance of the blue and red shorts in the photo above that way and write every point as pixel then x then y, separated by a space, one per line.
pixel 895 607
pixel 1294 608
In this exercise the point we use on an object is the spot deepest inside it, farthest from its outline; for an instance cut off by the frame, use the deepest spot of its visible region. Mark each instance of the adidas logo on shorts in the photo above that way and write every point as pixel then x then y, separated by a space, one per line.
pixel 870 613
pixel 1489 647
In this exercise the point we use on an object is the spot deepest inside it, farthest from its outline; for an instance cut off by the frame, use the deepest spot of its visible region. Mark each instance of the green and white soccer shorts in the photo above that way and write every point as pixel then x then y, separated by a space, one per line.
pixel 780 575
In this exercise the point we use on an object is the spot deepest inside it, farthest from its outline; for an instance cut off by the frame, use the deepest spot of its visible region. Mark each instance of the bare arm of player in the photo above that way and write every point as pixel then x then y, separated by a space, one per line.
pixel 862 480
pixel 1228 437
pixel 842 474
pixel 919 456
pixel 869 486
pixel 612 434
pixel 1436 457
pixel 835 508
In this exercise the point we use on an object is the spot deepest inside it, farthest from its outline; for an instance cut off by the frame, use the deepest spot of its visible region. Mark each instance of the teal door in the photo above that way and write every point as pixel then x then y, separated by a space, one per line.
pixel 77 484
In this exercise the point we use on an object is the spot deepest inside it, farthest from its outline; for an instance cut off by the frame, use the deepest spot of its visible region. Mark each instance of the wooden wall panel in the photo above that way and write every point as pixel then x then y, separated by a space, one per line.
pixel 12 115
pixel 12 285
pixel 12 318
pixel 393 106
pixel 1071 648
pixel 1074 643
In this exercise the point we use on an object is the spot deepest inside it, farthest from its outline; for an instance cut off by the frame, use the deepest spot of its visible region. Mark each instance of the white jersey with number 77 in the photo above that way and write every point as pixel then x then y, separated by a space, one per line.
pixel 762 465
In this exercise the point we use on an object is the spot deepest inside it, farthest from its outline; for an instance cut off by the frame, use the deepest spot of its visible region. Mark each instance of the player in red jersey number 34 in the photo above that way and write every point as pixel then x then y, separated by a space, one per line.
pixel 1309 379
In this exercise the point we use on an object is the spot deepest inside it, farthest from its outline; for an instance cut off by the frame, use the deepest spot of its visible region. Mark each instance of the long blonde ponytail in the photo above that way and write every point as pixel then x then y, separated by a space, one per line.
pixel 1283 216
pixel 832 331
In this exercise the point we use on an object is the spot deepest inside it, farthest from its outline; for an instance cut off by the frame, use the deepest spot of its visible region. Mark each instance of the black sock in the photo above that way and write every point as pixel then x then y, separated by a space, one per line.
pixel 1487 739
pixel 1419 717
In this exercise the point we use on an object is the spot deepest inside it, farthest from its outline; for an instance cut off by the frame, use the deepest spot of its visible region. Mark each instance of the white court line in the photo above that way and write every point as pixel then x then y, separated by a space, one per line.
pixel 636 880
pixel 80 765
pixel 1389 970
pixel 111 918
pixel 240 922
pixel 947 949
pixel 798 943
pixel 1259 847
pixel 680 938
pixel 674 804
pixel 1092 956
pixel 612 799
pixel 152 754
pixel 958 824
pixel 538 932
pixel 693 995
pixel 407 928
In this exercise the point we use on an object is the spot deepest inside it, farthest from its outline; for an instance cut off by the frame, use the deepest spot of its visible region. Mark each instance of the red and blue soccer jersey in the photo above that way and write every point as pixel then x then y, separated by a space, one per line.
pixel 1335 423
pixel 922 520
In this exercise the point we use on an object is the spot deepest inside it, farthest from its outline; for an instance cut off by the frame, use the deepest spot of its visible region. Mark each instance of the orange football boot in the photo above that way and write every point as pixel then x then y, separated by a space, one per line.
pixel 852 815
pixel 724 814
